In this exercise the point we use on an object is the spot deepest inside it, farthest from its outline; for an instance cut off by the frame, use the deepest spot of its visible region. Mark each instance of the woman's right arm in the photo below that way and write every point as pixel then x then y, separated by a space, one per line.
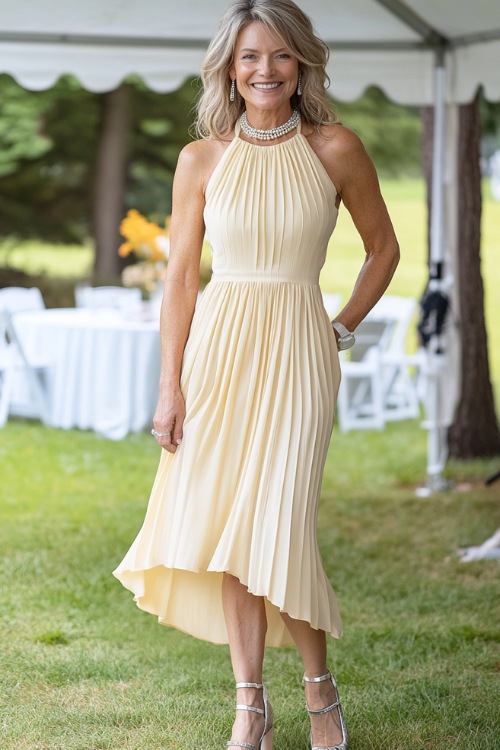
pixel 187 230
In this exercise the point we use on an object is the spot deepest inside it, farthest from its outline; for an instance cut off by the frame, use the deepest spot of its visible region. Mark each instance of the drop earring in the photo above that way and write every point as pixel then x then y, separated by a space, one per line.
pixel 232 93
pixel 299 84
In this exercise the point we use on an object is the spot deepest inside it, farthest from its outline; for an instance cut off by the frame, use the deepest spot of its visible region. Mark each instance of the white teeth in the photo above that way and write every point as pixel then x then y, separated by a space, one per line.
pixel 266 85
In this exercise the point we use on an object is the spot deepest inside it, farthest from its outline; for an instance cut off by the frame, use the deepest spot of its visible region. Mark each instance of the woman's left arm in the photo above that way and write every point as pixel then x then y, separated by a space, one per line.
pixel 357 182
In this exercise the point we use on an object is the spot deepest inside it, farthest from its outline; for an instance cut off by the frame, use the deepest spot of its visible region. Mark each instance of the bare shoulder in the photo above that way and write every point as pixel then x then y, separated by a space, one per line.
pixel 337 136
pixel 199 158
pixel 337 141
pixel 341 152
pixel 195 155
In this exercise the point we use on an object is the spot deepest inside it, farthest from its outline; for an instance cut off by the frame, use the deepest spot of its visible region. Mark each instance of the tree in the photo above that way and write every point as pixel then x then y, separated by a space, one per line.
pixel 474 432
pixel 141 135
pixel 108 193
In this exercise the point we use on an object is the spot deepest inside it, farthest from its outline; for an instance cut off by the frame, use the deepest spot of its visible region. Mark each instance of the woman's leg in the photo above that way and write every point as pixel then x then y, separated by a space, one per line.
pixel 311 645
pixel 246 623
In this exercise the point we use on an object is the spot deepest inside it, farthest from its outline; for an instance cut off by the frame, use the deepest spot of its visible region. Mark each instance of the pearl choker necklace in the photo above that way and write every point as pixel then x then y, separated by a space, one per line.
pixel 269 135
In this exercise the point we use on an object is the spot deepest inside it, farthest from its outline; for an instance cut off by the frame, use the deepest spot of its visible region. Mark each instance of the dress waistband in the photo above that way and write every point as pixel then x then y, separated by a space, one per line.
pixel 261 277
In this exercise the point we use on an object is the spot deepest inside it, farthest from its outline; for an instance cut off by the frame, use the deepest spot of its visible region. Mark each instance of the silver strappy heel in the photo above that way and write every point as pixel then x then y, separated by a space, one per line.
pixel 342 745
pixel 266 740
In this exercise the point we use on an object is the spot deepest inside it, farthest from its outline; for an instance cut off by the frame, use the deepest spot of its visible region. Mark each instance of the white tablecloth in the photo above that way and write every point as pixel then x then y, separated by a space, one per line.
pixel 103 372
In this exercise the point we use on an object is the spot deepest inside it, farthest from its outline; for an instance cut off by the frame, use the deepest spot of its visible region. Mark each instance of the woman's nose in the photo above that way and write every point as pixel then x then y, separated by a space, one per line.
pixel 267 66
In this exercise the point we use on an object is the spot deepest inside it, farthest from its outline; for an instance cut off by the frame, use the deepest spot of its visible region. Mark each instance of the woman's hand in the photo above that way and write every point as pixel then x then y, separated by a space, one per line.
pixel 169 418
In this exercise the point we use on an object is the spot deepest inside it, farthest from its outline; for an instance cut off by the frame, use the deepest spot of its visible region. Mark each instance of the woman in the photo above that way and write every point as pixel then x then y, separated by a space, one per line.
pixel 228 549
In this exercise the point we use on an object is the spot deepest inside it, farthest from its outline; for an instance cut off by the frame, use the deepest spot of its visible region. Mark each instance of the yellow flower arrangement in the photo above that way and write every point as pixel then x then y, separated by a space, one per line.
pixel 150 244
pixel 144 238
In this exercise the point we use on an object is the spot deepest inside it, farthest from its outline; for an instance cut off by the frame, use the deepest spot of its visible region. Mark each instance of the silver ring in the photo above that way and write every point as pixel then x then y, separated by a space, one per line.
pixel 160 434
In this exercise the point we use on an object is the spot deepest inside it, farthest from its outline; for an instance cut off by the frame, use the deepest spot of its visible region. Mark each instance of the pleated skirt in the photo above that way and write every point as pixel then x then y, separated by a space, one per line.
pixel 260 377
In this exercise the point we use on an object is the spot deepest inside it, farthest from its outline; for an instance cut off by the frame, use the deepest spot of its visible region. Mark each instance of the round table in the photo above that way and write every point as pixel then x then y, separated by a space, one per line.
pixel 103 369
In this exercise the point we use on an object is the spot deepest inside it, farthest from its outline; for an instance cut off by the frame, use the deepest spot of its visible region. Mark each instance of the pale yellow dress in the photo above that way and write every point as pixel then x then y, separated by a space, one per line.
pixel 260 376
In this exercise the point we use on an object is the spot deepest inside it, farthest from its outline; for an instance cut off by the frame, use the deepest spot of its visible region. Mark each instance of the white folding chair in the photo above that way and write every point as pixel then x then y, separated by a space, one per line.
pixel 331 303
pixel 15 364
pixel 376 384
pixel 117 297
pixel 399 387
pixel 360 397
pixel 23 389
pixel 18 298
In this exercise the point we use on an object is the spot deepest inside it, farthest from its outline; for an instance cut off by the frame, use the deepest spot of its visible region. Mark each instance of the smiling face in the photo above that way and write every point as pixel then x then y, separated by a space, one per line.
pixel 266 71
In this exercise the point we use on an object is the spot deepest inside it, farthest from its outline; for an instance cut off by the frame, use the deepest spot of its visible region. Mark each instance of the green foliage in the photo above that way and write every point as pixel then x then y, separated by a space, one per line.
pixel 490 117
pixel 48 147
pixel 45 191
pixel 20 137
pixel 82 668
pixel 490 124
pixel 160 129
pixel 391 133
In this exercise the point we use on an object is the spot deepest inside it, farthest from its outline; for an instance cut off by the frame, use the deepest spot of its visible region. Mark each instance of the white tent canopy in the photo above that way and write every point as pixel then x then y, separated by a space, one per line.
pixel 385 42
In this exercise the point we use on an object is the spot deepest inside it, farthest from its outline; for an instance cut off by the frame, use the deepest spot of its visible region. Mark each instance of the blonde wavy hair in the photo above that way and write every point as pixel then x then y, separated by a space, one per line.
pixel 216 114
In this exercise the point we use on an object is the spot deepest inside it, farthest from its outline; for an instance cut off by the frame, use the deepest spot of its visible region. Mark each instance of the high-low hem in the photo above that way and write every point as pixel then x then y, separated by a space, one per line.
pixel 215 631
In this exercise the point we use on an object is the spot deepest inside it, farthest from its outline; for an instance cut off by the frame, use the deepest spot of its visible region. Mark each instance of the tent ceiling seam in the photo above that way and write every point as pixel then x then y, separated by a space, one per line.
pixel 430 36
pixel 102 40
pixel 480 36
pixel 169 43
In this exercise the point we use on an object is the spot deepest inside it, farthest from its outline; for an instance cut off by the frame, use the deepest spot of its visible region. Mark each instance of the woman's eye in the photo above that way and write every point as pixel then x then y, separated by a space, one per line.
pixel 284 55
pixel 248 57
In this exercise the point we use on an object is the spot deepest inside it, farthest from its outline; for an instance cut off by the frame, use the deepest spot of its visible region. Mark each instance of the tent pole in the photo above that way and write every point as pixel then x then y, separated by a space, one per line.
pixel 437 221
pixel 435 357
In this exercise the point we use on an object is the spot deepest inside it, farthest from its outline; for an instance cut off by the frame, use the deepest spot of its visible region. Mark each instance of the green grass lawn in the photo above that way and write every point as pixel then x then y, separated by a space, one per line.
pixel 36 257
pixel 83 669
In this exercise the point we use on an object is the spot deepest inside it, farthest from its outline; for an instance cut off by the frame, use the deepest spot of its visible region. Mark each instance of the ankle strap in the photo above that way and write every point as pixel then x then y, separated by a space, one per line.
pixel 327 676
pixel 255 709
pixel 242 707
pixel 257 685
